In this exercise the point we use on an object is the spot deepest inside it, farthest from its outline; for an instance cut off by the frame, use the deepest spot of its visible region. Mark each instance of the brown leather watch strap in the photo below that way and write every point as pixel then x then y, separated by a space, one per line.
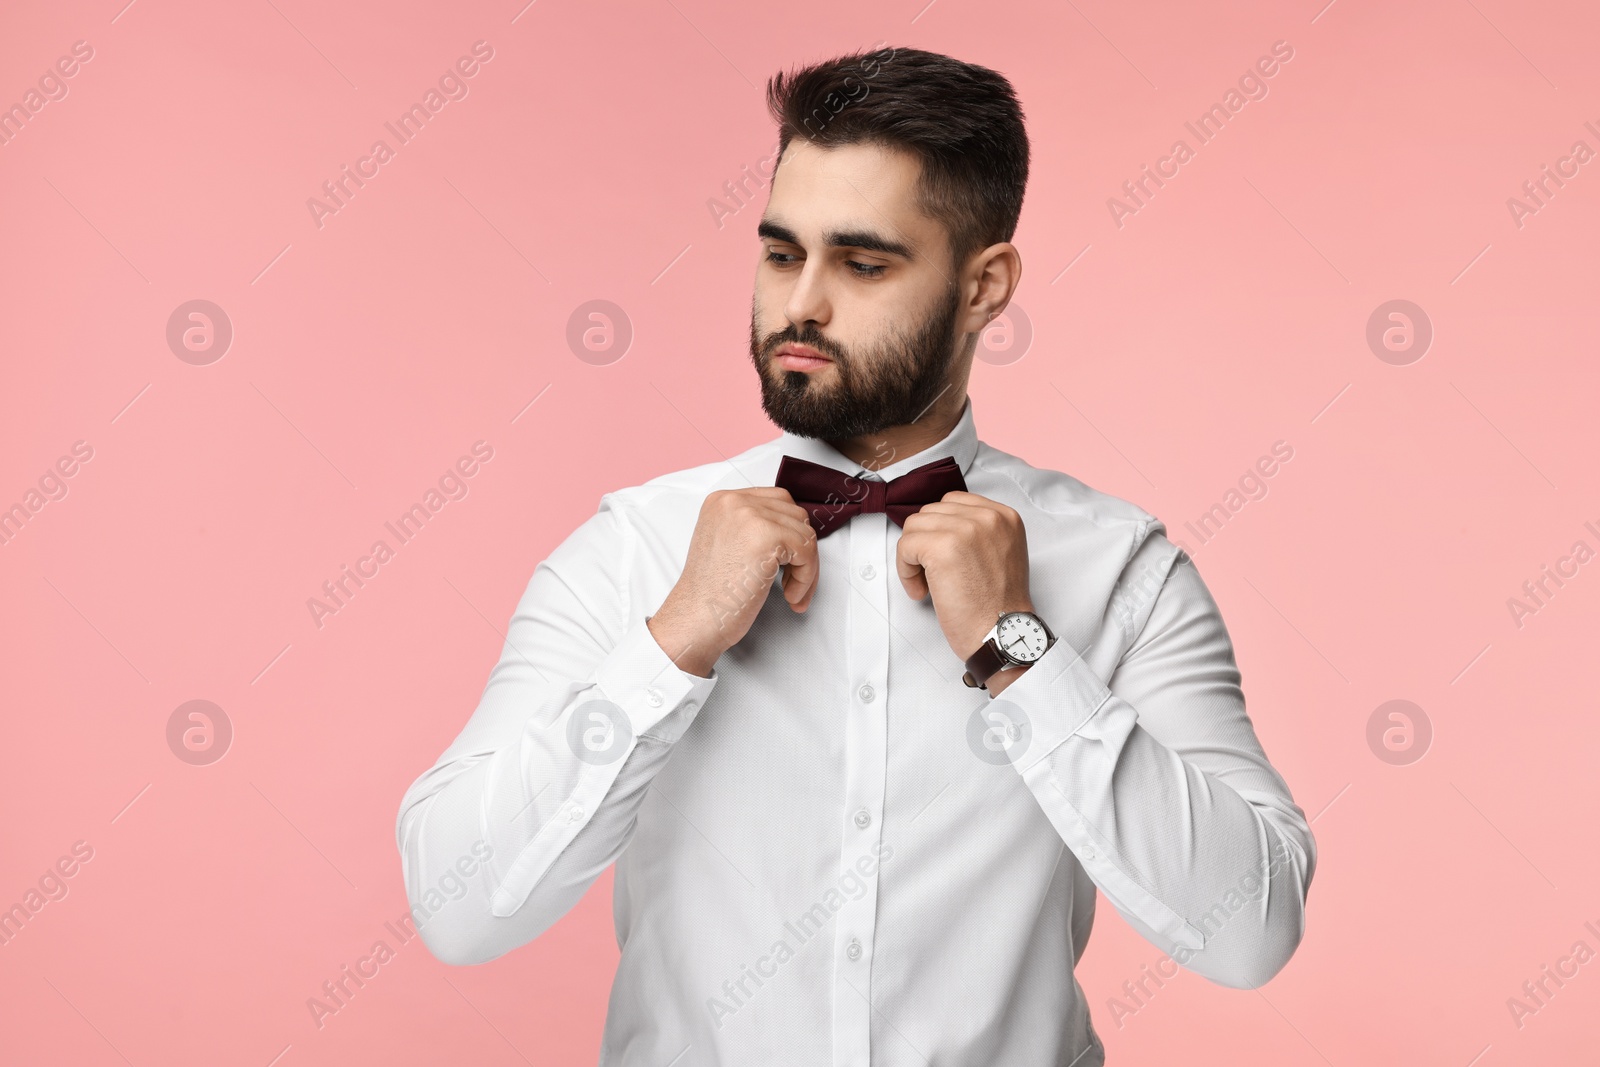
pixel 983 664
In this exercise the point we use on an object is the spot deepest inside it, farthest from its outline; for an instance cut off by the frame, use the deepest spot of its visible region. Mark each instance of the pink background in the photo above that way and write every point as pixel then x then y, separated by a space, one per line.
pixel 368 354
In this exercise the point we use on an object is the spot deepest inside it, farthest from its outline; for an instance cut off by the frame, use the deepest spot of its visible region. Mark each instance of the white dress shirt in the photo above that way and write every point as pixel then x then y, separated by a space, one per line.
pixel 831 851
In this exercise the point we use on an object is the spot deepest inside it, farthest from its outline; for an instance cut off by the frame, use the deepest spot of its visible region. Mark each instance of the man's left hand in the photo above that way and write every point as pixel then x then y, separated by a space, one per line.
pixel 971 554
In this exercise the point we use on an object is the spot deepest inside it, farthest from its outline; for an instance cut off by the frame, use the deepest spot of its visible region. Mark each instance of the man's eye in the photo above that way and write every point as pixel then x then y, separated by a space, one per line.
pixel 860 270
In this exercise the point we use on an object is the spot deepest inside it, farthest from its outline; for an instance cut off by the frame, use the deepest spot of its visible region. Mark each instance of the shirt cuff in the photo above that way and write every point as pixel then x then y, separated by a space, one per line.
pixel 640 678
pixel 1059 696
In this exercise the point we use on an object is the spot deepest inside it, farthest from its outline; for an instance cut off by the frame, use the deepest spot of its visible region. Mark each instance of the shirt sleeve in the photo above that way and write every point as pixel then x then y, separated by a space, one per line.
pixel 539 792
pixel 1159 786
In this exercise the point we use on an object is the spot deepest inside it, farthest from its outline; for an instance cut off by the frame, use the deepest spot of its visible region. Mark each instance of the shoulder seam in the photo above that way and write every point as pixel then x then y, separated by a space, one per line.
pixel 1175 560
pixel 625 569
pixel 1143 522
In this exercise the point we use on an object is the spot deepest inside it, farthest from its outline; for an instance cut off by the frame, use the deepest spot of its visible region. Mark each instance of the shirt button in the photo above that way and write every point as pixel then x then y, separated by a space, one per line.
pixel 654 697
pixel 863 818
pixel 575 813
pixel 868 570
pixel 853 950
pixel 692 706
pixel 1088 852
pixel 866 693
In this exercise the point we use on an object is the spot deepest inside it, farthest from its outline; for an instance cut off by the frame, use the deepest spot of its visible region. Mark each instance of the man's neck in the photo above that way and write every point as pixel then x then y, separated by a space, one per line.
pixel 879 450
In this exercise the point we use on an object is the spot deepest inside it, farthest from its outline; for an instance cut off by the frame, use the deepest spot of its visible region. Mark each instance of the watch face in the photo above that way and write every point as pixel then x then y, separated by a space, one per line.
pixel 1021 637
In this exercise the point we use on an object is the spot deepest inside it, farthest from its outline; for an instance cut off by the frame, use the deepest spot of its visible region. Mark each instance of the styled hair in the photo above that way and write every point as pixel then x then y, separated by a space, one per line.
pixel 961 121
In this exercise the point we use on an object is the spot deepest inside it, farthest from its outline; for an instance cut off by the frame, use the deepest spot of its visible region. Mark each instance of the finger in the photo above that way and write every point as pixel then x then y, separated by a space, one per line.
pixel 784 508
pixel 835 500
pixel 802 604
pixel 801 566
pixel 800 585
pixel 961 504
pixel 961 496
pixel 964 520
pixel 954 521
pixel 767 492
pixel 908 564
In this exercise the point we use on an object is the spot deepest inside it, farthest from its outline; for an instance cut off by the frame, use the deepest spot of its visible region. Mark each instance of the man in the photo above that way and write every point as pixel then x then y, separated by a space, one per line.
pixel 864 714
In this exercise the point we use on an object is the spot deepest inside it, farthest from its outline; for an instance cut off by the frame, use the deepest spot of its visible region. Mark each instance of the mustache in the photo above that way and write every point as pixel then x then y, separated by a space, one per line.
pixel 791 336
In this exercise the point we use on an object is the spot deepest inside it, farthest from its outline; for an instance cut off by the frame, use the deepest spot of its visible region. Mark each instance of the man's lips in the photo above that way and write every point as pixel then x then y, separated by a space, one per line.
pixel 799 357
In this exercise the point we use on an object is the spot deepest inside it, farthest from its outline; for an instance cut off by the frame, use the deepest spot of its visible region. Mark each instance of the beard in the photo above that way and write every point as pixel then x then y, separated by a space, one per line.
pixel 891 384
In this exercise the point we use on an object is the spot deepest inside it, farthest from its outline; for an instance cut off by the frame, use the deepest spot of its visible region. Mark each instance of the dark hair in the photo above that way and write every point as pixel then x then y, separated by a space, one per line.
pixel 960 120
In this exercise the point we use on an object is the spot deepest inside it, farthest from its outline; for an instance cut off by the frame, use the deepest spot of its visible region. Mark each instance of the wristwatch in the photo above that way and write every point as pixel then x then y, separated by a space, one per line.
pixel 1017 639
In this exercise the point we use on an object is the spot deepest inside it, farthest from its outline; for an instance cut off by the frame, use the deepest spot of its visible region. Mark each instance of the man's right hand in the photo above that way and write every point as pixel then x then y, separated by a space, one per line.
pixel 740 540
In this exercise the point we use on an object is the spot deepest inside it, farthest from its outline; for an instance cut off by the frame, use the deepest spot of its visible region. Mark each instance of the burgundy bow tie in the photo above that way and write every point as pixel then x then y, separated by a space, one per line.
pixel 831 497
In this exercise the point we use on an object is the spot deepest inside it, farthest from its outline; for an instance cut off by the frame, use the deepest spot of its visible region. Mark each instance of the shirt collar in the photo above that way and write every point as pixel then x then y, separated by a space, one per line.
pixel 961 442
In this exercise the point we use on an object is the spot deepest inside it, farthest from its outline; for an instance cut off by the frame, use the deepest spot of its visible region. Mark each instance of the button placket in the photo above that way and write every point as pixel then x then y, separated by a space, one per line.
pixel 867 638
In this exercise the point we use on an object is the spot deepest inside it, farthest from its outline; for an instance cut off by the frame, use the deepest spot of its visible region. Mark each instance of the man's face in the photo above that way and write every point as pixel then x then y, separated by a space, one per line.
pixel 852 271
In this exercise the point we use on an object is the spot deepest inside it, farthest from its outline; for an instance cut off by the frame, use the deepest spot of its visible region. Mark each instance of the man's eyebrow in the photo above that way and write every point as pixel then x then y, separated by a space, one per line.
pixel 866 240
